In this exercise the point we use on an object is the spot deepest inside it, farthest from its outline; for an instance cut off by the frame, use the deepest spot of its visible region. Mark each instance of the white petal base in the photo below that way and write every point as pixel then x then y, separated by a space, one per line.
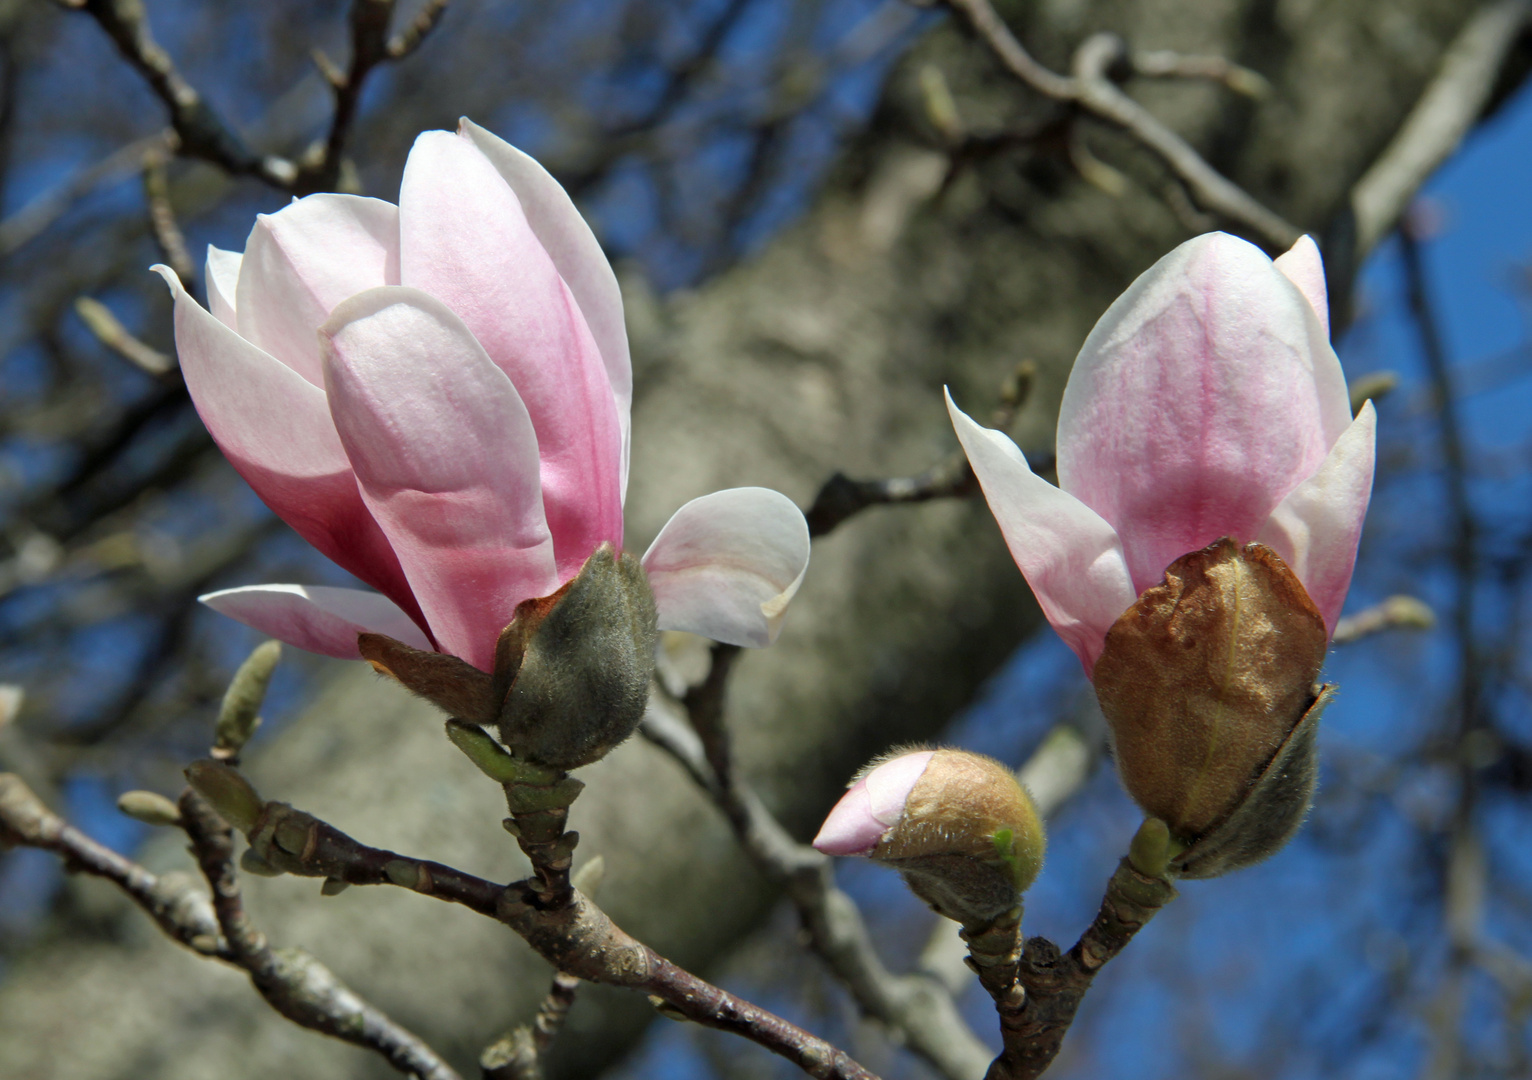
pixel 317 618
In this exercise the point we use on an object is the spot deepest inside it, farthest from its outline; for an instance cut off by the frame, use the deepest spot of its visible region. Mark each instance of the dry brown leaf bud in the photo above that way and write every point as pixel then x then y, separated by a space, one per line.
pixel 1209 684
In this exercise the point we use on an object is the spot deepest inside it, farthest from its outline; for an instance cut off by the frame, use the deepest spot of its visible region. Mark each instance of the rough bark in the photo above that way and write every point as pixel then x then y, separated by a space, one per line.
pixel 826 351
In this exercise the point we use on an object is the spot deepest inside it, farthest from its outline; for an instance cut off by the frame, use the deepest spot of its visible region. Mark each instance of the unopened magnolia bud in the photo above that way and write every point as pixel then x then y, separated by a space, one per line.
pixel 958 826
pixel 150 807
pixel 572 669
pixel 240 714
pixel 227 791
pixel 577 674
pixel 1209 684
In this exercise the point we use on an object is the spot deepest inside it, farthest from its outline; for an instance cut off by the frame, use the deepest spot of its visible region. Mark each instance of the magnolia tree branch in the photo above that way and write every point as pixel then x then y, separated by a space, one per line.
pixel 576 937
pixel 1033 1028
pixel 201 133
pixel 917 1007
pixel 1091 91
pixel 172 901
pixel 1451 104
pixel 952 477
pixel 370 46
pixel 293 982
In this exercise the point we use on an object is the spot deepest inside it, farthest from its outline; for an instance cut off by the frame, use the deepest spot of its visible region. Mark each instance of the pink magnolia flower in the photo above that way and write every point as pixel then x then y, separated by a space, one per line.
pixel 1206 403
pixel 436 396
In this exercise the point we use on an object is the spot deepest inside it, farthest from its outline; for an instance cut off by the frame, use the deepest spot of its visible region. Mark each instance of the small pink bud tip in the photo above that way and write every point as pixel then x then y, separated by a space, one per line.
pixel 872 806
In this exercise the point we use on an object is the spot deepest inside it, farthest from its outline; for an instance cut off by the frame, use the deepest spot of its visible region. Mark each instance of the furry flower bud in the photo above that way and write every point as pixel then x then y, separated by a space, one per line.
pixel 958 826
pixel 571 670
pixel 1209 684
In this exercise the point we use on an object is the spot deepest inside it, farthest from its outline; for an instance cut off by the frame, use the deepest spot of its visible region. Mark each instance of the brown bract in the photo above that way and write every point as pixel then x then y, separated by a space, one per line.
pixel 1203 681
pixel 571 671
pixel 970 840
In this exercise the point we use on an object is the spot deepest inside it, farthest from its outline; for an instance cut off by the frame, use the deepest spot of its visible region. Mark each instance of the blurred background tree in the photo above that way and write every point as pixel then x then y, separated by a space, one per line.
pixel 822 211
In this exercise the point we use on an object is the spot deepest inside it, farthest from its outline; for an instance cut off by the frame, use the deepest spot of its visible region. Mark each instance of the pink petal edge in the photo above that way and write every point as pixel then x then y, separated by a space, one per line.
pixel 1302 265
pixel 446 459
pixel 577 255
pixel 1317 528
pixel 1070 556
pixel 316 618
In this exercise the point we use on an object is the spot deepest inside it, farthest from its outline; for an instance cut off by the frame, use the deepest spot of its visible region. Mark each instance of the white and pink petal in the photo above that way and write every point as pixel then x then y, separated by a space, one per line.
pixel 576 255
pixel 446 459
pixel 726 565
pixel 1202 397
pixel 1316 529
pixel 317 618
pixel 1069 555
pixel 274 427
pixel 302 261
pixel 466 240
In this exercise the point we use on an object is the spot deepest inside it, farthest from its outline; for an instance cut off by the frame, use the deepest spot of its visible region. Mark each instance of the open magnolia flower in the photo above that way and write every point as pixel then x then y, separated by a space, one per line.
pixel 1197 550
pixel 436 396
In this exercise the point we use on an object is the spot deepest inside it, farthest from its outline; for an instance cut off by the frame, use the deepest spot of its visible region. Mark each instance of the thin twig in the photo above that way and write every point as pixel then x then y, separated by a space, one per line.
pixel 162 218
pixel 916 1006
pixel 1091 90
pixel 202 133
pixel 100 321
pixel 577 938
pixel 175 907
pixel 519 1055
pixel 44 210
pixel 842 497
pixel 293 982
pixel 1397 612
pixel 1033 1030
pixel 1442 116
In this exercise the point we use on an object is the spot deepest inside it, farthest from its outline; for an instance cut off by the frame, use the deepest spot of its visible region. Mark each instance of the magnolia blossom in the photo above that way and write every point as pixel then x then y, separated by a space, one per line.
pixel 1206 403
pixel 436 396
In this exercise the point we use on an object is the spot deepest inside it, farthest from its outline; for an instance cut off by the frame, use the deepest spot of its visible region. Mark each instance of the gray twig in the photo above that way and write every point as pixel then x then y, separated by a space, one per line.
pixel 1441 118
pixel 576 937
pixel 1092 91
pixel 952 477
pixel 917 1006
pixel 292 981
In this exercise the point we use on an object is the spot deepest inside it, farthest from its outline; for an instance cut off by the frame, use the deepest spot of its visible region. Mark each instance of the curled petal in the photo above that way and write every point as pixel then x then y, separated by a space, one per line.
pixel 465 240
pixel 726 565
pixel 1071 557
pixel 317 618
pixel 576 255
pixel 872 806
pixel 222 277
pixel 275 429
pixel 1204 395
pixel 1302 266
pixel 1316 529
pixel 446 459
pixel 302 261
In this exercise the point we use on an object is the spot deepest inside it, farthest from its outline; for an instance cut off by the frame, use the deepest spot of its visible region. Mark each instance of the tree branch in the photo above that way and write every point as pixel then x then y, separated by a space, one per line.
pixel 1436 125
pixel 577 938
pixel 1091 91
pixel 292 981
